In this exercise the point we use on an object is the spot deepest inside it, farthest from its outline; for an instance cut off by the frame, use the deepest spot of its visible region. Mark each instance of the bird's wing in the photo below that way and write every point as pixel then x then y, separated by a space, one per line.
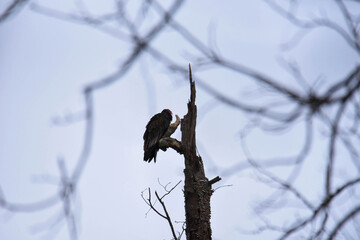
pixel 155 129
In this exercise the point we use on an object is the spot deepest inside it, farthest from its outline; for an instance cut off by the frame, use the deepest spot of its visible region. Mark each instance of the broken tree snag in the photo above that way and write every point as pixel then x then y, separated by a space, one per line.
pixel 214 180
pixel 197 189
pixel 166 141
pixel 172 128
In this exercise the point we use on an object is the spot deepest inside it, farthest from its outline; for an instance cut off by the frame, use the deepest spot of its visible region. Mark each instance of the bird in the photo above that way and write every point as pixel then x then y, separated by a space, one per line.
pixel 155 130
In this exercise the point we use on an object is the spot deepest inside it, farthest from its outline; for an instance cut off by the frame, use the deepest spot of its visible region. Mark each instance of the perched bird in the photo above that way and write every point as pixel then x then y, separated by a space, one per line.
pixel 155 130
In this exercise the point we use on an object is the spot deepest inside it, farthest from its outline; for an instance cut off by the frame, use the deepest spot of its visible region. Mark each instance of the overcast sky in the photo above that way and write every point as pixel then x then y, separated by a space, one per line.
pixel 45 63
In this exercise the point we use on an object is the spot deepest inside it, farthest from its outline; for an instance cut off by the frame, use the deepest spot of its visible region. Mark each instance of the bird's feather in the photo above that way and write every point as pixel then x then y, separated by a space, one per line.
pixel 155 129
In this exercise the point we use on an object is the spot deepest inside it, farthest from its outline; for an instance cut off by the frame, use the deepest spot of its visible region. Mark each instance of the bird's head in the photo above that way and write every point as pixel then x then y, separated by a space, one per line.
pixel 167 110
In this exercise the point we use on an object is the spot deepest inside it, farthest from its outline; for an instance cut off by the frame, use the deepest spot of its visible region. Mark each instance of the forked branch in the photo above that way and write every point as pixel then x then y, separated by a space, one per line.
pixel 167 141
pixel 166 214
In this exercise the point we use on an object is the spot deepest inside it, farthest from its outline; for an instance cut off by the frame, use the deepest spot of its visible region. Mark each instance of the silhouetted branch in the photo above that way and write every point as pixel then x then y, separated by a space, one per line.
pixel 214 180
pixel 172 128
pixel 164 215
pixel 167 142
pixel 167 215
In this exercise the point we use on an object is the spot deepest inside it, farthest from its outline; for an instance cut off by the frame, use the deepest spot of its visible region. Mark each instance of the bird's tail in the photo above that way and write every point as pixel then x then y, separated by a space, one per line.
pixel 150 153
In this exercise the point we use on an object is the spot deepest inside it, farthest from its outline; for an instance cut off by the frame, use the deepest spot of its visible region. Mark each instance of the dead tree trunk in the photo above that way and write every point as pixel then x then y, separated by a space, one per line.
pixel 197 188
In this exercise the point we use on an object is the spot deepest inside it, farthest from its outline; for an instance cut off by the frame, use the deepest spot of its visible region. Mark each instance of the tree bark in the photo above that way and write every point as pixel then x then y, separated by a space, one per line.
pixel 197 188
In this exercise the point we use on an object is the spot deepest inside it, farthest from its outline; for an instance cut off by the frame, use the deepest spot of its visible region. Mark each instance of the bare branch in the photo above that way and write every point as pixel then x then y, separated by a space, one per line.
pixel 167 142
pixel 166 215
pixel 343 221
pixel 314 23
pixel 172 128
pixel 14 7
pixel 214 180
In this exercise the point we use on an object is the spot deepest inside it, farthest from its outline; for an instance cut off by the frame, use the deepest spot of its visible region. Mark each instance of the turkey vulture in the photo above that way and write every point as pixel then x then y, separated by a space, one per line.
pixel 155 130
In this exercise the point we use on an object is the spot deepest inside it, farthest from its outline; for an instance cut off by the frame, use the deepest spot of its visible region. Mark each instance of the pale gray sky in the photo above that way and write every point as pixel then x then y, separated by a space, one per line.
pixel 44 64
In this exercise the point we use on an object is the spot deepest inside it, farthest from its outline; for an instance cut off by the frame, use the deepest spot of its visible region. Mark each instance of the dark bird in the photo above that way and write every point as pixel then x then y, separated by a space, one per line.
pixel 155 130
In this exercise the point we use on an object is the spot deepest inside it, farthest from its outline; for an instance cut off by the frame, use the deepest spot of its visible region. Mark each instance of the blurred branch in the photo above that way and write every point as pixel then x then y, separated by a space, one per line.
pixel 335 106
pixel 65 195
pixel 310 104
pixel 319 22
pixel 69 180
pixel 343 221
pixel 12 9
pixel 320 208
pixel 351 24
pixel 140 46
pixel 223 98
pixel 28 207
pixel 98 23
pixel 215 59
pixel 332 147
